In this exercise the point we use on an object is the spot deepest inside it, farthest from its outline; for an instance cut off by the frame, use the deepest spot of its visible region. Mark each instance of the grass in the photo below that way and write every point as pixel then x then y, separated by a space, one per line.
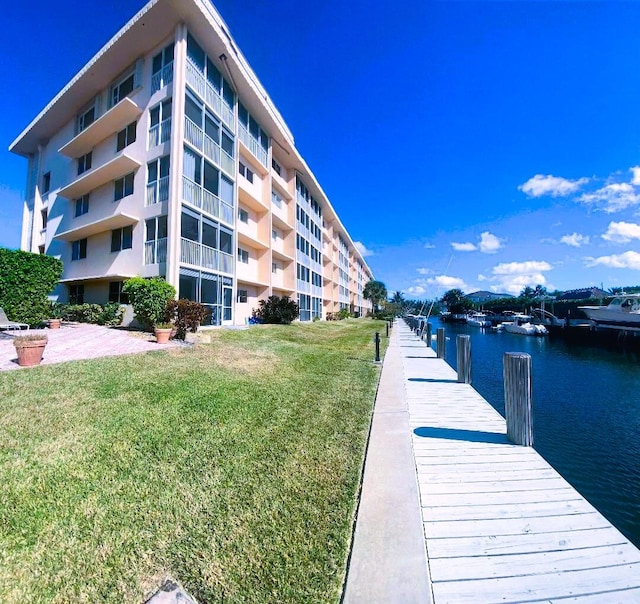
pixel 232 467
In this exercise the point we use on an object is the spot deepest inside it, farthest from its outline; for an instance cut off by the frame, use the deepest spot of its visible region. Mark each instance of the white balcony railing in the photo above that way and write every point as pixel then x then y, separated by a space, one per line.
pixel 198 254
pixel 252 144
pixel 155 251
pixel 161 78
pixel 194 135
pixel 190 252
pixel 197 81
pixel 160 133
pixel 158 191
pixel 206 201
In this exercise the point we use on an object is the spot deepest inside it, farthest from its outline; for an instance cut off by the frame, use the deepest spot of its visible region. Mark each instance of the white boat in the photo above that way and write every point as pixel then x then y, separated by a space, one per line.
pixel 522 325
pixel 622 311
pixel 478 319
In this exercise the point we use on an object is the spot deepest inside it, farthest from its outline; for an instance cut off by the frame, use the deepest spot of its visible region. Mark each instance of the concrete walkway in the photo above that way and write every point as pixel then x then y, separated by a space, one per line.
pixel 388 559
pixel 76 341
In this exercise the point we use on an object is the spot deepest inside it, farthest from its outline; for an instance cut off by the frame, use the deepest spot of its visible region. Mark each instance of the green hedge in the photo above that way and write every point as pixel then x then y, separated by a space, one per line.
pixel 26 280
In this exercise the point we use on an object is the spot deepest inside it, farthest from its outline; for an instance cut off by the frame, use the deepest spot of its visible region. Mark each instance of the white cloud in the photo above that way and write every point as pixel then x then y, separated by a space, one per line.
pixel 448 282
pixel 555 186
pixel 575 240
pixel 612 197
pixel 489 244
pixel 425 271
pixel 429 246
pixel 362 249
pixel 626 260
pixel 463 247
pixel 512 277
pixel 415 290
pixel 622 232
pixel 635 180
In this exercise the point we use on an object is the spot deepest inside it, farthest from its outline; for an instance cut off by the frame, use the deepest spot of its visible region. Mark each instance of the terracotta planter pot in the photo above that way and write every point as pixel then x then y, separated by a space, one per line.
pixel 30 353
pixel 162 335
pixel 54 323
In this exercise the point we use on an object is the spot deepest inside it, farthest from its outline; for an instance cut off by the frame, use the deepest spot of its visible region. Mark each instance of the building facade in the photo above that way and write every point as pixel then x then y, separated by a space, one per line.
pixel 164 156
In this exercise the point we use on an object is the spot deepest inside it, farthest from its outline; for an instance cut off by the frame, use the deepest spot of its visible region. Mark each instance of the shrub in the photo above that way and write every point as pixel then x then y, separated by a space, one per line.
pixel 149 298
pixel 276 310
pixel 186 315
pixel 26 280
pixel 109 314
pixel 343 313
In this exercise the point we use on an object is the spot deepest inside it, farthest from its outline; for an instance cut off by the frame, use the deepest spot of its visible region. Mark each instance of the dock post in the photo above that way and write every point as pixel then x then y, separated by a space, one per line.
pixel 517 398
pixel 428 334
pixel 387 327
pixel 440 342
pixel 463 349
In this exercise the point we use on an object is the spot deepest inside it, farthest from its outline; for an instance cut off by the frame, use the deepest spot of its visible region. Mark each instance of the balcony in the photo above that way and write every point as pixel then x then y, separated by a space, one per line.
pixel 252 145
pixel 195 136
pixel 118 167
pixel 160 133
pixel 205 200
pixel 250 240
pixel 162 78
pixel 155 252
pixel 281 224
pixel 198 254
pixel 119 116
pixel 157 191
pixel 114 221
pixel 209 94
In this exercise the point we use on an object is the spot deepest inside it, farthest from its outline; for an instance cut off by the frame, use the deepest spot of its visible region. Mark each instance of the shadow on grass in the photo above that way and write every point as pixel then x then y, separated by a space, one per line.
pixel 473 436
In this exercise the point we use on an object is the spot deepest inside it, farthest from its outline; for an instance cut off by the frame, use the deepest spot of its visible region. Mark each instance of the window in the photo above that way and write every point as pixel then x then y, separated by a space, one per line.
pixel 274 267
pixel 158 180
pixel 276 167
pixel 84 163
pixel 246 172
pixel 242 295
pixel 76 294
pixel 81 205
pixel 86 118
pixel 163 59
pixel 160 123
pixel 116 294
pixel 243 216
pixel 243 256
pixel 275 235
pixel 124 87
pixel 276 200
pixel 123 187
pixel 79 249
pixel 41 249
pixel 46 182
pixel 45 214
pixel 121 239
pixel 126 136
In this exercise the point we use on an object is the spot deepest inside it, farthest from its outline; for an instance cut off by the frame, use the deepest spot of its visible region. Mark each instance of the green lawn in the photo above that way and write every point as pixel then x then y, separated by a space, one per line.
pixel 232 467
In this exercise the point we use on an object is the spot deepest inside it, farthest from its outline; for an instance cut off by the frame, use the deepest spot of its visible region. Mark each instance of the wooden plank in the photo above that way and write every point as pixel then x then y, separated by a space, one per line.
pixel 523 543
pixel 552 483
pixel 512 497
pixel 539 587
pixel 479 567
pixel 486 511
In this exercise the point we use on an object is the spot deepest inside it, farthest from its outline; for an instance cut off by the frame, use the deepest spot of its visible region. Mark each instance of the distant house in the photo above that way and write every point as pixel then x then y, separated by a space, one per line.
pixel 485 296
pixel 582 294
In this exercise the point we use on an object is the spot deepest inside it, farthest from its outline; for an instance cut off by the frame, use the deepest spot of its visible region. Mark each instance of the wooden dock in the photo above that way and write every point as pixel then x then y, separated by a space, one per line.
pixel 500 524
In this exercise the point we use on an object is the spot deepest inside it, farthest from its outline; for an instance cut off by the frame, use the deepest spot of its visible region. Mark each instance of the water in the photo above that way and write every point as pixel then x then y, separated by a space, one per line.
pixel 586 404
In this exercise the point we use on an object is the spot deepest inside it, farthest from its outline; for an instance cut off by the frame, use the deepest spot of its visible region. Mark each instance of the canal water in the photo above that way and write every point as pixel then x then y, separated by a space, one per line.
pixel 586 404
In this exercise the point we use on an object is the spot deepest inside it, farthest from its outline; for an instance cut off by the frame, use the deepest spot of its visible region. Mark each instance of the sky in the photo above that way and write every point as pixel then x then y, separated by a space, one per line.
pixel 471 144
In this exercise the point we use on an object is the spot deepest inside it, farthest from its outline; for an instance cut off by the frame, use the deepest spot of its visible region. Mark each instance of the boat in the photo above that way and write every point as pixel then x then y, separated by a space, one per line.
pixel 622 311
pixel 522 325
pixel 478 319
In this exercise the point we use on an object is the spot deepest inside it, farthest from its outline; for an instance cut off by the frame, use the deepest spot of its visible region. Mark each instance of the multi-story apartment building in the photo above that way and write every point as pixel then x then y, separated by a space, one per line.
pixel 164 156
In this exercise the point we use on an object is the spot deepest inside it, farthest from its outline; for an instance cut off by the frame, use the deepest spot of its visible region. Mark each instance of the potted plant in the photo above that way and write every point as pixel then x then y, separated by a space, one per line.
pixel 55 321
pixel 162 332
pixel 30 348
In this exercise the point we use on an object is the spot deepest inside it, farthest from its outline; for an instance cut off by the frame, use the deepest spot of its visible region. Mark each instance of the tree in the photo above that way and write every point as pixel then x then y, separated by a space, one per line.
pixel 149 298
pixel 398 298
pixel 456 302
pixel 375 291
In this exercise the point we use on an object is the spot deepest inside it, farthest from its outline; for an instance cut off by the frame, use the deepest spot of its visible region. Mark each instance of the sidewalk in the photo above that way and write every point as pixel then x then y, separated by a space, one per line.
pixel 388 560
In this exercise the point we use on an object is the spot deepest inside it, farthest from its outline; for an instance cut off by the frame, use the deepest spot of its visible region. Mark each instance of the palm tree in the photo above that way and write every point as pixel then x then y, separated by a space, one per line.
pixel 376 291
pixel 398 298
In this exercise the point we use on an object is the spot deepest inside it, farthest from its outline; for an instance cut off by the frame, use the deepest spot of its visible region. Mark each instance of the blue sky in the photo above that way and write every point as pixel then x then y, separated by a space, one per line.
pixel 481 145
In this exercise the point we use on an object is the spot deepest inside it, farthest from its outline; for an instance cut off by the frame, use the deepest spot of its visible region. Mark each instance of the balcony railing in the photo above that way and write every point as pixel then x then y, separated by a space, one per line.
pixel 252 144
pixel 160 133
pixel 155 251
pixel 206 201
pixel 211 149
pixel 276 200
pixel 158 191
pixel 195 79
pixel 161 78
pixel 198 254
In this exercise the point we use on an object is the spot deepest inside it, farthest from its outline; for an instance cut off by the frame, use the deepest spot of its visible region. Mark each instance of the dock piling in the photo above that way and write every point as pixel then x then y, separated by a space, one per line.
pixel 517 398
pixel 463 349
pixel 440 342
